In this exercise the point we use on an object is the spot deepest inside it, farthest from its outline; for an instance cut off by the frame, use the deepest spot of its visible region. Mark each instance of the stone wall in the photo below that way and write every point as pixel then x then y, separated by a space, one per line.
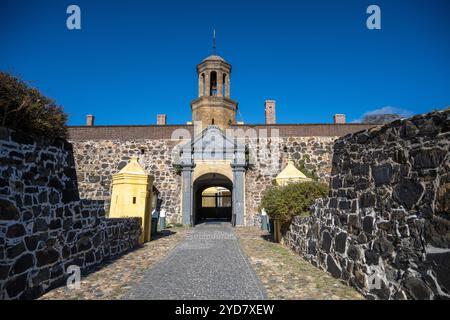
pixel 44 226
pixel 314 152
pixel 385 229
pixel 101 151
pixel 97 160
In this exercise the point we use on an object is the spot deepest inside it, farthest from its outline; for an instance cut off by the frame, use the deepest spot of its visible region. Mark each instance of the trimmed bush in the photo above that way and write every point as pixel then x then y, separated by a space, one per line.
pixel 26 109
pixel 291 200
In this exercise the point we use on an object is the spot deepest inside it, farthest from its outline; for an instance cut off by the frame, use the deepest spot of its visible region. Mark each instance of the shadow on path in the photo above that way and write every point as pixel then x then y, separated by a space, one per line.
pixel 208 264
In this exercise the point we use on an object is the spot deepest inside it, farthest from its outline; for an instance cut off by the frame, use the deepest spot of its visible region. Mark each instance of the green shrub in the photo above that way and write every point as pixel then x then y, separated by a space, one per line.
pixel 26 109
pixel 177 168
pixel 291 200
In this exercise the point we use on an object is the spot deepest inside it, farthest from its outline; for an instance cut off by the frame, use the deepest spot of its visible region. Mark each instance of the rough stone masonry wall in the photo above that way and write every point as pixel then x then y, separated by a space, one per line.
pixel 101 151
pixel 44 226
pixel 385 229
pixel 97 160
pixel 314 152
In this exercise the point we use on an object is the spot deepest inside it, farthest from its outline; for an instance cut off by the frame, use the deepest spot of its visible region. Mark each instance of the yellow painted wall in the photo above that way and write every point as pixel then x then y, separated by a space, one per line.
pixel 222 167
pixel 208 196
pixel 132 196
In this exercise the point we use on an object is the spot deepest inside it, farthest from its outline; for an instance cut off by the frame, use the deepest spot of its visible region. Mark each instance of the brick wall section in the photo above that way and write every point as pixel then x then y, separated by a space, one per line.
pixel 44 226
pixel 77 133
pixel 385 227
pixel 125 132
pixel 311 130
pixel 270 111
pixel 161 119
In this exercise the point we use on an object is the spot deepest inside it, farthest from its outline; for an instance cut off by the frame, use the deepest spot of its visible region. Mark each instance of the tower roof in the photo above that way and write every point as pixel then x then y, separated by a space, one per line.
pixel 133 167
pixel 214 57
pixel 291 174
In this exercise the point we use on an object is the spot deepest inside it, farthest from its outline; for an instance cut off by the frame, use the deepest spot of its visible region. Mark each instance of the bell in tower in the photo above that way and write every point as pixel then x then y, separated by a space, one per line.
pixel 214 105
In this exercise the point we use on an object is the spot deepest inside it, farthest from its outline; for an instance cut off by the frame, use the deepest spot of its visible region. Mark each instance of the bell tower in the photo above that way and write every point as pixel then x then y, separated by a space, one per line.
pixel 214 105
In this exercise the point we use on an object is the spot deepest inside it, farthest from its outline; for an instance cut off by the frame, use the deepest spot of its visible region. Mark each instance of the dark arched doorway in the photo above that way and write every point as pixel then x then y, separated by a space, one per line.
pixel 212 198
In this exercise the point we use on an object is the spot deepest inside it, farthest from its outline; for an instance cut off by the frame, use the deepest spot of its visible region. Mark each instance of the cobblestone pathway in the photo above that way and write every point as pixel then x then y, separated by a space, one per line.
pixel 209 264
pixel 114 280
pixel 211 261
pixel 285 275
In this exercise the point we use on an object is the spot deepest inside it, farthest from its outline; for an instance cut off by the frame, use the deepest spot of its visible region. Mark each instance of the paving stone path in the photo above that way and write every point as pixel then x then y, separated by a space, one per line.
pixel 210 261
pixel 208 264
pixel 115 278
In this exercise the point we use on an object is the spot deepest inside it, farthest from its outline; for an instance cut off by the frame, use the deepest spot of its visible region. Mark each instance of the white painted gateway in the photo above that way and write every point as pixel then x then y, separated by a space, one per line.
pixel 213 160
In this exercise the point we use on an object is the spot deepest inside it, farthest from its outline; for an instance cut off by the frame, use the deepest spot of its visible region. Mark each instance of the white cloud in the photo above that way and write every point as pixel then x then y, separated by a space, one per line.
pixel 386 110
pixel 390 110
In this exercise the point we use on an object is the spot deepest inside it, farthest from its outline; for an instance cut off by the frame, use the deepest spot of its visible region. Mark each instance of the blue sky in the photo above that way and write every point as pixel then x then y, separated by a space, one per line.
pixel 133 59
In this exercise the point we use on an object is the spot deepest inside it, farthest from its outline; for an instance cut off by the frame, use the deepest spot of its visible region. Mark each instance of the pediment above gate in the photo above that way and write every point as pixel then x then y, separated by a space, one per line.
pixel 212 144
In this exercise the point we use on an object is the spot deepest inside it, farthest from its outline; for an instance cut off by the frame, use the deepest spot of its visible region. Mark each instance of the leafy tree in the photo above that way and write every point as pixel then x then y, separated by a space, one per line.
pixel 26 109
pixel 285 202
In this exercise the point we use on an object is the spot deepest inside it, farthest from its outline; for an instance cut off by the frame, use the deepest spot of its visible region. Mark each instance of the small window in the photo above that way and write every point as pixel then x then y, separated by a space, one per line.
pixel 134 200
pixel 212 121
pixel 213 84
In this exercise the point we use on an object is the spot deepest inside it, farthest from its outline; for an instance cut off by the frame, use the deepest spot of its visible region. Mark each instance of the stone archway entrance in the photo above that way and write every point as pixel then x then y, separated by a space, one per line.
pixel 212 159
pixel 213 198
